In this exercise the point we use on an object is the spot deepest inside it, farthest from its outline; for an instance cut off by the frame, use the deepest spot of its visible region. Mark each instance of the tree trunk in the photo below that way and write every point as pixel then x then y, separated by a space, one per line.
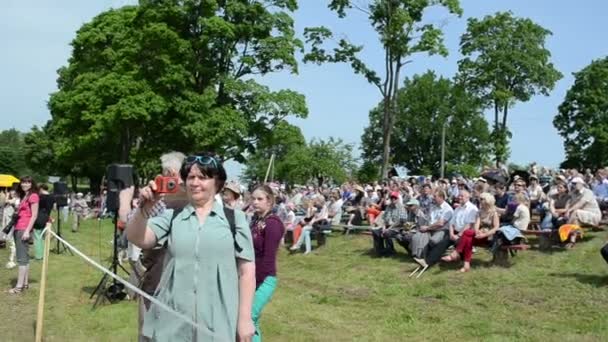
pixel 496 134
pixel 95 184
pixel 125 145
pixel 386 137
pixel 74 181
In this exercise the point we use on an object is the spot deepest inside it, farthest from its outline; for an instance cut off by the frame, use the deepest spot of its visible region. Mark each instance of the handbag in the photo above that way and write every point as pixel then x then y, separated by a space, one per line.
pixel 11 224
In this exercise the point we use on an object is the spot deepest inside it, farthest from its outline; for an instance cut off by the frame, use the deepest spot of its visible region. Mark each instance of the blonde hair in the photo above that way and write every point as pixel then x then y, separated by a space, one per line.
pixel 521 199
pixel 488 199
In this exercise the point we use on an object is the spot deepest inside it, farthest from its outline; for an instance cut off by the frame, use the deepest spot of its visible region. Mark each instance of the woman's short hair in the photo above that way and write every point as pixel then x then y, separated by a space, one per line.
pixel 33 188
pixel 268 191
pixel 213 169
pixel 488 198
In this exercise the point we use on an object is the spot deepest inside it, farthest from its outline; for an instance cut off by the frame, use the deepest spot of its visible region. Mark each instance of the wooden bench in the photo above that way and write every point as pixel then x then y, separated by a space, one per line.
pixel 501 257
pixel 545 237
pixel 347 229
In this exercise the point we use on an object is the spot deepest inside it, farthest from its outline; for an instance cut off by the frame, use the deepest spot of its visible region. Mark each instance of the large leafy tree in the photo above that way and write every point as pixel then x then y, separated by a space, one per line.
pixel 403 33
pixel 505 61
pixel 423 105
pixel 320 161
pixel 583 117
pixel 283 140
pixel 12 153
pixel 169 75
pixel 323 161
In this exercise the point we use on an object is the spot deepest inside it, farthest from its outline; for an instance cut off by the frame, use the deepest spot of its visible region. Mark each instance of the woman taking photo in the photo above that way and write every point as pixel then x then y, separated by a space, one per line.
pixel 27 213
pixel 209 273
pixel 267 231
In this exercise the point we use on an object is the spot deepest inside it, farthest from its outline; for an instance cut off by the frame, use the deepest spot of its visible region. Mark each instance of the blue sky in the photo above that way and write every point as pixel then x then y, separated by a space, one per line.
pixel 35 37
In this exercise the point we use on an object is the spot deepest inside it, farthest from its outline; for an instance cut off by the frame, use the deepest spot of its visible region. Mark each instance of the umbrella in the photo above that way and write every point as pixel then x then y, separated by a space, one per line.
pixel 8 180
pixel 494 176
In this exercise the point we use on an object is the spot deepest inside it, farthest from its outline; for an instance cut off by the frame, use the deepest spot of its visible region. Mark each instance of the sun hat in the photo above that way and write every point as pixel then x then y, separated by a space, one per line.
pixel 234 187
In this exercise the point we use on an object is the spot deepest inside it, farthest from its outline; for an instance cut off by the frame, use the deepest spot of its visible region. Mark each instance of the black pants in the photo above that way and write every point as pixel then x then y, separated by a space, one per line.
pixel 383 244
pixel 435 252
pixel 604 252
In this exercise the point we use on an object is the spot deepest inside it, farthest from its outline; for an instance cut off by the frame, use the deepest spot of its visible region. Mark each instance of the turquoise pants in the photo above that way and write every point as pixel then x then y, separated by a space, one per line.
pixel 263 294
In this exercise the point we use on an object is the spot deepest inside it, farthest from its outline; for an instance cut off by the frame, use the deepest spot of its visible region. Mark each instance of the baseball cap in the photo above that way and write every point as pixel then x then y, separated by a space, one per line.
pixel 413 201
pixel 395 194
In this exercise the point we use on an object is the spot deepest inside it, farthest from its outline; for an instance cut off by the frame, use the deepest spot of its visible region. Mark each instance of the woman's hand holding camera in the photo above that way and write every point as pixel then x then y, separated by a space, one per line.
pixel 148 196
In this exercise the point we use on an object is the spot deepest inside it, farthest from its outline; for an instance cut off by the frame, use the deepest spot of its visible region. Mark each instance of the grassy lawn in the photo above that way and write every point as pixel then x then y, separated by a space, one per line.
pixel 341 293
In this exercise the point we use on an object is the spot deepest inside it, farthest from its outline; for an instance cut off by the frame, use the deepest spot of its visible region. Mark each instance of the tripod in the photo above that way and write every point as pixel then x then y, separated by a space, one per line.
pixel 61 247
pixel 114 292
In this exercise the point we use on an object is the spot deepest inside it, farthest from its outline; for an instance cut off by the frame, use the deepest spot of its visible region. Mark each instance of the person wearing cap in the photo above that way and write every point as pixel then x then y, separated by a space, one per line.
pixel 416 218
pixel 436 231
pixel 231 195
pixel 393 218
pixel 79 211
pixel 584 209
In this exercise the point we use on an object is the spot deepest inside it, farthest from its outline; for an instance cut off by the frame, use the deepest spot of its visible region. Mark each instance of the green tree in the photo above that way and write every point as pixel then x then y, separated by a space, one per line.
pixel 169 75
pixel 402 32
pixel 583 117
pixel 423 105
pixel 12 153
pixel 505 61
pixel 284 139
pixel 323 161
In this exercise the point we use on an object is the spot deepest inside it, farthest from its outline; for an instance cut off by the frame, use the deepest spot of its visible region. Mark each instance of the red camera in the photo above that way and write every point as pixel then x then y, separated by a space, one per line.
pixel 166 185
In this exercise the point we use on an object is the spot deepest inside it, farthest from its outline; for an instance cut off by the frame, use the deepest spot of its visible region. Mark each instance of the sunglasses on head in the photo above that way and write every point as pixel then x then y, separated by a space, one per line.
pixel 201 160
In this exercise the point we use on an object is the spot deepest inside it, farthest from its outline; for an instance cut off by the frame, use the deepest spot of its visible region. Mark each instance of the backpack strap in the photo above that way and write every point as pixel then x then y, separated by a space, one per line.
pixel 231 221
pixel 175 213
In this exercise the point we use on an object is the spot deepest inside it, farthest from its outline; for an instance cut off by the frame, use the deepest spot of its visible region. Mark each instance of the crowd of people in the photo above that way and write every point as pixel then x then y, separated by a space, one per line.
pixel 210 250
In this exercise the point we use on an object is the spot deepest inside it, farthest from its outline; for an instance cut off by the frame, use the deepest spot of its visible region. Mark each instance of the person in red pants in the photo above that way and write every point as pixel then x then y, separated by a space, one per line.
pixel 486 225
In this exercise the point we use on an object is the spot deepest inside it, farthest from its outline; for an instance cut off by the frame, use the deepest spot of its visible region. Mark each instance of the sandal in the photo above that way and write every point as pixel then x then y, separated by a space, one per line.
pixel 15 290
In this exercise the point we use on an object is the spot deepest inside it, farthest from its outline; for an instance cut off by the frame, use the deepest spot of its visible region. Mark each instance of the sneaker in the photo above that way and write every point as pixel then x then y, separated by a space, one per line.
pixel 474 250
pixel 421 262
pixel 294 248
pixel 11 264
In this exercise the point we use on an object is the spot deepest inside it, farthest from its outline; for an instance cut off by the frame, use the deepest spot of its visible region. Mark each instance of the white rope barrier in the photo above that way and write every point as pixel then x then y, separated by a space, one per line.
pixel 133 288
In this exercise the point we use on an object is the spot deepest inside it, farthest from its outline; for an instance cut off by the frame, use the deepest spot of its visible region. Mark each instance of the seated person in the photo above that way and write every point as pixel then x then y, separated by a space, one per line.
pixel 583 209
pixel 426 199
pixel 319 216
pixel 536 193
pixel 462 219
pixel 356 207
pixel 555 216
pixel 436 230
pixel 392 220
pixel 486 225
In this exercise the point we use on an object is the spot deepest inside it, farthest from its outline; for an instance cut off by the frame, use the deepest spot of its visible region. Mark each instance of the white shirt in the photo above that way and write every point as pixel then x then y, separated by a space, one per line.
pixel 443 212
pixel 464 215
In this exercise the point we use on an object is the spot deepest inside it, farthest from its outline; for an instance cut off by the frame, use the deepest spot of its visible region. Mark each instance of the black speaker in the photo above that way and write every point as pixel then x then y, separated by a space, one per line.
pixel 119 176
pixel 60 192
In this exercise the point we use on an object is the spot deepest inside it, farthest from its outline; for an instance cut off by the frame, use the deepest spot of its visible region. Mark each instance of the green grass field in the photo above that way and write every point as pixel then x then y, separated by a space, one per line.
pixel 341 293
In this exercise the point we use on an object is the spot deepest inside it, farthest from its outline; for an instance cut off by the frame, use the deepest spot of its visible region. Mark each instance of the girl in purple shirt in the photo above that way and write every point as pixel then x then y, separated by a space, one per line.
pixel 267 230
